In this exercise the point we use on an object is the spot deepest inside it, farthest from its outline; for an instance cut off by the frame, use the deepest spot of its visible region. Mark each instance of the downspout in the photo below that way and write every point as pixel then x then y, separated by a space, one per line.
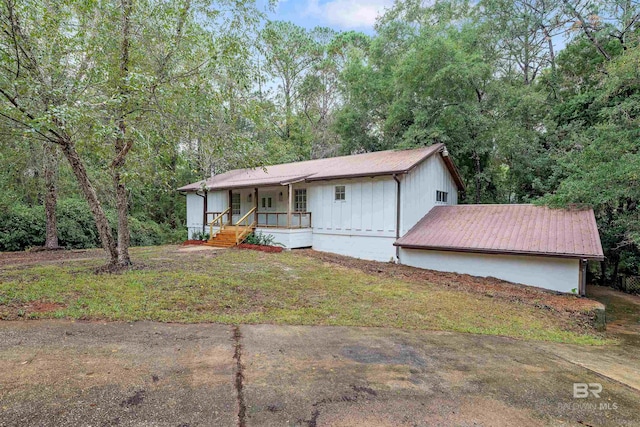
pixel 395 177
pixel 583 277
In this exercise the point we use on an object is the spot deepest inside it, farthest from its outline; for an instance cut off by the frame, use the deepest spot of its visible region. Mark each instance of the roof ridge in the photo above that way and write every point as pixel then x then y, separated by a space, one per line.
pixel 370 164
pixel 343 156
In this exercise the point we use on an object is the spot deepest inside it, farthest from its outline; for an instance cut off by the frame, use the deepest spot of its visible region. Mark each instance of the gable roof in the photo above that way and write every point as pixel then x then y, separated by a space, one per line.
pixel 377 163
pixel 509 229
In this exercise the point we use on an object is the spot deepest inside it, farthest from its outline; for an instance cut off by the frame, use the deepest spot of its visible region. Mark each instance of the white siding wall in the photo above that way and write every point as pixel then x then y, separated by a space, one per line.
pixel 216 202
pixel 369 208
pixel 373 248
pixel 418 191
pixel 194 213
pixel 557 274
pixel 290 238
pixel 363 225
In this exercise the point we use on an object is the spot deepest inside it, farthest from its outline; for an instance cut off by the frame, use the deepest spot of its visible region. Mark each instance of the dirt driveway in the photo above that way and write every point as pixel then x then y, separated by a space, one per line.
pixel 60 373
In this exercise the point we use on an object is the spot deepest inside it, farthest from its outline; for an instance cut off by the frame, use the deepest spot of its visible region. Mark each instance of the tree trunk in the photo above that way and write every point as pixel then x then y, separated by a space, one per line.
pixel 123 221
pixel 476 158
pixel 51 161
pixel 122 145
pixel 616 265
pixel 104 230
pixel 603 273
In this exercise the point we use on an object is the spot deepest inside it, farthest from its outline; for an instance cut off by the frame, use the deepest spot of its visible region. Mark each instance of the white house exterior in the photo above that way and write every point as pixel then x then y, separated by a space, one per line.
pixel 363 220
pixel 375 206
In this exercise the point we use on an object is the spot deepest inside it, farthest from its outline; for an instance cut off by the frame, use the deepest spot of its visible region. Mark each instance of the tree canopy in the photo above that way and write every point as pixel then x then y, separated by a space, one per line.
pixel 115 104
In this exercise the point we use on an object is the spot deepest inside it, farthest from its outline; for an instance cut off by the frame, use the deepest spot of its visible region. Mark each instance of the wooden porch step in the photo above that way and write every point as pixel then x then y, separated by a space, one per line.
pixel 226 238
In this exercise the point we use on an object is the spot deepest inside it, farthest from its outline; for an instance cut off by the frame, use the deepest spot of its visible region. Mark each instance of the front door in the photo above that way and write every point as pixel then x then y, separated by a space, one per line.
pixel 267 203
pixel 236 207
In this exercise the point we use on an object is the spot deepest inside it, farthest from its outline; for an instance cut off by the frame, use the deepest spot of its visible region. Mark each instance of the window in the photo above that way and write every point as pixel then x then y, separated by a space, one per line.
pixel 441 196
pixel 300 200
pixel 340 193
pixel 267 202
pixel 235 204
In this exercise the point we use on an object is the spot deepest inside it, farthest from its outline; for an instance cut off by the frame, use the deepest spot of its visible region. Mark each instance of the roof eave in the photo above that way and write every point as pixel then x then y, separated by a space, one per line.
pixel 453 169
pixel 455 173
pixel 592 257
pixel 352 176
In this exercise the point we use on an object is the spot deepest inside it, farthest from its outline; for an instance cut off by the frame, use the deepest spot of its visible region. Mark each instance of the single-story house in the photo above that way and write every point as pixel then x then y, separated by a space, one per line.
pixel 399 206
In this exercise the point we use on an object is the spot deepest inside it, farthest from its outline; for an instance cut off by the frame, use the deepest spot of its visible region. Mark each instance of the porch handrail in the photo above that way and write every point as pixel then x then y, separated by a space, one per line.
pixel 216 219
pixel 246 226
pixel 299 214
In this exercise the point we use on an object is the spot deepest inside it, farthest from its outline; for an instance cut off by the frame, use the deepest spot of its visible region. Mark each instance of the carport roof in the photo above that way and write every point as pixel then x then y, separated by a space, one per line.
pixel 359 165
pixel 507 229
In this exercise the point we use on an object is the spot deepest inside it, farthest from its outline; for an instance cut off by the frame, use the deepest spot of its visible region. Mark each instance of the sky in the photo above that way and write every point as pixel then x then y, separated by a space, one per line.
pixel 340 15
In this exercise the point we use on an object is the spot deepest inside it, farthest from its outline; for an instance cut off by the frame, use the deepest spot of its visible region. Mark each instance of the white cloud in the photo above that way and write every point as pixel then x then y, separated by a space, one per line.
pixel 348 14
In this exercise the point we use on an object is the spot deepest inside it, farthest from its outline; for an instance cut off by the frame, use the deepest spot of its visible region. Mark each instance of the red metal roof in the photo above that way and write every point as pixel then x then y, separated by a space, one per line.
pixel 512 229
pixel 368 164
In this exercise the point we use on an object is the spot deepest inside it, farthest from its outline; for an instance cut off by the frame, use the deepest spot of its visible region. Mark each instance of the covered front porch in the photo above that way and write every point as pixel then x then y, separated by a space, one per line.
pixel 280 211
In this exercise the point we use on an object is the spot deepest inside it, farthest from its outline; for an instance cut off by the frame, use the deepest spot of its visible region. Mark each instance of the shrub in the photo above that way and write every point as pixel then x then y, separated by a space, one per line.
pixel 199 235
pixel 76 227
pixel 22 227
pixel 261 239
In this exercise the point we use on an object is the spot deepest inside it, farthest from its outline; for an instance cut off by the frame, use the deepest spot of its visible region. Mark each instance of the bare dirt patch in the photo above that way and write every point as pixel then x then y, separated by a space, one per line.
pixel 43 306
pixel 194 242
pixel 26 258
pixel 261 248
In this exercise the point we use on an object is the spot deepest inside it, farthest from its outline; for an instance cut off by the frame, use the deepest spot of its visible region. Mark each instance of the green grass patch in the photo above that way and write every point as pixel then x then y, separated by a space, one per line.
pixel 241 286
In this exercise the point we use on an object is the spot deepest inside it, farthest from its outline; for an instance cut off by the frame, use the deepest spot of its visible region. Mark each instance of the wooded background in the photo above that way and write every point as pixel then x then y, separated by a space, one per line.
pixel 108 106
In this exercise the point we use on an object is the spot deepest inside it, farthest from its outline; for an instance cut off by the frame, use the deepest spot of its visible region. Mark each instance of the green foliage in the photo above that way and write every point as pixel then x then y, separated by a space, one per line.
pixel 601 165
pixel 262 239
pixel 76 228
pixel 199 235
pixel 22 227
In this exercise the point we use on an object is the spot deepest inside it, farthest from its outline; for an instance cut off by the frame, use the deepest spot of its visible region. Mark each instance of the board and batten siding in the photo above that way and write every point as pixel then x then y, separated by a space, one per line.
pixel 556 274
pixel 369 207
pixel 194 213
pixel 216 202
pixel 363 225
pixel 418 191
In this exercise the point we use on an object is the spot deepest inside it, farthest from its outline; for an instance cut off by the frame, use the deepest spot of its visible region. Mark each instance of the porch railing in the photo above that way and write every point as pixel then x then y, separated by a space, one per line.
pixel 244 227
pixel 218 219
pixel 279 220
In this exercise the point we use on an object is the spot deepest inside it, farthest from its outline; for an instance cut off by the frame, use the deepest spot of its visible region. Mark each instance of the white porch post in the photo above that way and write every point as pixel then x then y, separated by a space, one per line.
pixel 255 205
pixel 289 206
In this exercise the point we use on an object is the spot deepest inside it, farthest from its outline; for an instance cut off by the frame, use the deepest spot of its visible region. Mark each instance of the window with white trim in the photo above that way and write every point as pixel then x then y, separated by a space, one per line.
pixel 300 200
pixel 442 196
pixel 235 204
pixel 340 193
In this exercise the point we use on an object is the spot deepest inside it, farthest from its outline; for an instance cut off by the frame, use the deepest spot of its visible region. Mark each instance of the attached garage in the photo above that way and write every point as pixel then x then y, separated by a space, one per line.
pixel 526 244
